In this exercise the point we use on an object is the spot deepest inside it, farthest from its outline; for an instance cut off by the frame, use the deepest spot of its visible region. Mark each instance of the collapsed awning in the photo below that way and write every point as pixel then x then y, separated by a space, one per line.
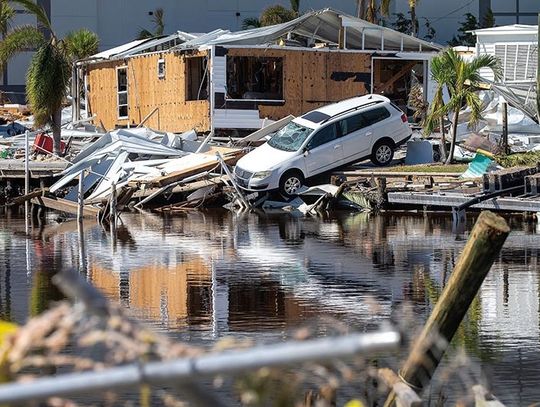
pixel 521 96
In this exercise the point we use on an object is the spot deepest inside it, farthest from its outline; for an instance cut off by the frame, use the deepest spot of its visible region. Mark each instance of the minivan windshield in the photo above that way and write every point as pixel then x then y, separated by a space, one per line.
pixel 291 137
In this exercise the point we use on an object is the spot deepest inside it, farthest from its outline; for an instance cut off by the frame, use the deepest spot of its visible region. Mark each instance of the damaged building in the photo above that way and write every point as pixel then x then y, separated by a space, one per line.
pixel 221 81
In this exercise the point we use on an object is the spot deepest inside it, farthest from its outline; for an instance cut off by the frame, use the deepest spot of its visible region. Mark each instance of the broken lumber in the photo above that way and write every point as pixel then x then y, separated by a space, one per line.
pixel 482 248
pixel 63 205
pixel 230 159
pixel 28 197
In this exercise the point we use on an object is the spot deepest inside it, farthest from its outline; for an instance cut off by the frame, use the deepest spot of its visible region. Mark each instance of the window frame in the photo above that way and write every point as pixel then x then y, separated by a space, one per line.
pixel 161 73
pixel 281 86
pixel 334 125
pixel 119 92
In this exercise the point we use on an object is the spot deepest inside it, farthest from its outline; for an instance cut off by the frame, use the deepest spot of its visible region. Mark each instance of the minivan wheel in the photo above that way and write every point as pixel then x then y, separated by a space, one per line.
pixel 382 154
pixel 290 183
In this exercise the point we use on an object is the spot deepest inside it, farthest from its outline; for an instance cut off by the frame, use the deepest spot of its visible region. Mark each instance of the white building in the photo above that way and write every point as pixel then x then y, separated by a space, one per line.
pixel 517 48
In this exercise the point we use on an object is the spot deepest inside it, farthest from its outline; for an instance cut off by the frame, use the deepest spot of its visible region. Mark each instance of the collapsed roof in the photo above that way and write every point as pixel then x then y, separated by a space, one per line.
pixel 321 26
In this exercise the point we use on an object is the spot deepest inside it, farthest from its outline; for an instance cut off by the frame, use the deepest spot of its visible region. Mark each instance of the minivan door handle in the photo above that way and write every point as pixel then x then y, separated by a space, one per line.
pixel 337 146
pixel 369 133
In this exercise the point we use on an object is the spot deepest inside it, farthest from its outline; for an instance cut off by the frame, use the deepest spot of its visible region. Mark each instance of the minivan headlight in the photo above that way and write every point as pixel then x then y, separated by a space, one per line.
pixel 261 175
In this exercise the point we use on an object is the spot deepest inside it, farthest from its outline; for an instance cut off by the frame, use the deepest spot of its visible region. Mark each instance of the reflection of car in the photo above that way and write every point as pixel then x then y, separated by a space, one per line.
pixel 323 139
pixel 11 129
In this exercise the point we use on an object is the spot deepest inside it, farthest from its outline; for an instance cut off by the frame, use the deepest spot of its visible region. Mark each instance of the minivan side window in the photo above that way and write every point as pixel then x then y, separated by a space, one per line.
pixel 351 124
pixel 323 136
pixel 375 115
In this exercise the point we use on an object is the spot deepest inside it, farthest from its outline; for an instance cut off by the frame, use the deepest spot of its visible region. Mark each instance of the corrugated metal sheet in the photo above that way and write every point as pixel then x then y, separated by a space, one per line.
pixel 322 25
pixel 219 74
pixel 237 119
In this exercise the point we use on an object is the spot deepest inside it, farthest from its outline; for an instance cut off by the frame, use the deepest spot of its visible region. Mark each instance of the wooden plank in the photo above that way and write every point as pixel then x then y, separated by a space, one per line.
pixel 394 78
pixel 146 92
pixel 22 199
pixel 177 176
pixel 64 205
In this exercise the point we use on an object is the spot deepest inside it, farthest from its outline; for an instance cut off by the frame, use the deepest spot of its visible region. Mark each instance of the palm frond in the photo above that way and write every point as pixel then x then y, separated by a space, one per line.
pixel 487 61
pixel 22 38
pixel 6 15
pixel 37 10
pixel 250 22
pixel 385 7
pixel 46 82
pixel 81 44
pixel 475 104
pixel 159 24
pixel 144 34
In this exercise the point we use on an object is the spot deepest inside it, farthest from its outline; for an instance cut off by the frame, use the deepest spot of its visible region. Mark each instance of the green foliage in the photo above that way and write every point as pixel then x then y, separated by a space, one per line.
pixel 489 19
pixel 465 38
pixel 527 159
pixel 405 25
pixel 81 44
pixel 250 22
pixel 18 40
pixel 6 15
pixel 295 6
pixel 38 11
pixel 276 15
pixel 159 26
pixel 46 82
pixel 49 72
pixel 434 168
pixel 462 79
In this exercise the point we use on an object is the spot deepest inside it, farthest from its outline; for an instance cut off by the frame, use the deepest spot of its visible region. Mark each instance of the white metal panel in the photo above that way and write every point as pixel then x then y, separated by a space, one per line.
pixel 219 74
pixel 237 119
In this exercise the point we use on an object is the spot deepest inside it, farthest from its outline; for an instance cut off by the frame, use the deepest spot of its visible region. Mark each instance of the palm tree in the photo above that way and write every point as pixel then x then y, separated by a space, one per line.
pixel 369 9
pixel 49 72
pixel 250 22
pixel 436 109
pixel 414 19
pixel 6 15
pixel 159 26
pixel 462 79
pixel 276 15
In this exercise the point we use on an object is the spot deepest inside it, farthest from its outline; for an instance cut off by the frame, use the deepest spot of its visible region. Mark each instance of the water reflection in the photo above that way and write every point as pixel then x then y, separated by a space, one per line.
pixel 204 275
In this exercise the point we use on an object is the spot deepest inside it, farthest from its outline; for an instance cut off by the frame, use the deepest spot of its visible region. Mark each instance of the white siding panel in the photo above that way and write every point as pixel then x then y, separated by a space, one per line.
pixel 219 75
pixel 237 119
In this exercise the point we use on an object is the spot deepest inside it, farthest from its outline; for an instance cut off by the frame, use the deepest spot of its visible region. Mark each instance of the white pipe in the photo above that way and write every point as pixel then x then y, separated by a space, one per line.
pixel 192 369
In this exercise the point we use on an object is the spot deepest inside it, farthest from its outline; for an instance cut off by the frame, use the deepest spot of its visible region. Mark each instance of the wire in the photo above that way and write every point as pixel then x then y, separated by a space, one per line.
pixel 452 12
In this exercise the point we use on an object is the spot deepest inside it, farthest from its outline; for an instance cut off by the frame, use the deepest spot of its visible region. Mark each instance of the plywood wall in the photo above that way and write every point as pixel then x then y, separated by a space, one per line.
pixel 146 92
pixel 313 79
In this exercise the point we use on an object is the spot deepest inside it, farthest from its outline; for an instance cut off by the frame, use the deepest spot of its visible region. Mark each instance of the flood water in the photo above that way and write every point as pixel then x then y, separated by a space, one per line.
pixel 203 276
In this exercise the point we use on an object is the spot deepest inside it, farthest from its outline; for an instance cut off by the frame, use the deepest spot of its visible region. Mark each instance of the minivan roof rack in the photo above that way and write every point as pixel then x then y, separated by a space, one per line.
pixel 352 109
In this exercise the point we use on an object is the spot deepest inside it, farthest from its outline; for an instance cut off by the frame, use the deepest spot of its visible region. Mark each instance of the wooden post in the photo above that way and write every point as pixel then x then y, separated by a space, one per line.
pixel 80 198
pixel 26 172
pixel 113 204
pixel 538 76
pixel 112 215
pixel 505 128
pixel 483 246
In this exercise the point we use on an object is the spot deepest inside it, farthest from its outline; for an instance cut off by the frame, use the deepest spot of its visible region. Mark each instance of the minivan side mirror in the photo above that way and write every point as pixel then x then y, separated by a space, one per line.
pixel 305 151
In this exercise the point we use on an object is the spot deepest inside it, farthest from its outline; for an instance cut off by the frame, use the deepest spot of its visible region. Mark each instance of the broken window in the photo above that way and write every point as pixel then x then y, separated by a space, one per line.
pixel 121 76
pixel 197 78
pixel 255 78
pixel 161 68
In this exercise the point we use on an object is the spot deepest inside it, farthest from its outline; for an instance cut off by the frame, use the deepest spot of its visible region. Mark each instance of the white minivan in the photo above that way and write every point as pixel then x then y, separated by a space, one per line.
pixel 326 138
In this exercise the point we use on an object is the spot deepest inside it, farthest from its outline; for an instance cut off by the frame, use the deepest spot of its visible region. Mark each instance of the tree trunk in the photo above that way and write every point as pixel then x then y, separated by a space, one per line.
pixel 414 21
pixel 443 138
pixel 450 158
pixel 361 9
pixel 55 124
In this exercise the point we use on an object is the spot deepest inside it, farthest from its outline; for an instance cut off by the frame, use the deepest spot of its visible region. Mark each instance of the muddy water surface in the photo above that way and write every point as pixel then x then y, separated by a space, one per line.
pixel 202 276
